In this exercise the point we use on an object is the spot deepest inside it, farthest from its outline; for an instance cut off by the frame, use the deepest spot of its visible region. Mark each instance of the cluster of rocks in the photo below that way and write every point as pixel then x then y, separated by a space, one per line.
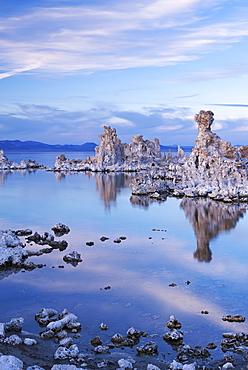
pixel 114 156
pixel 63 327
pixel 7 164
pixel 14 254
pixel 14 326
pixel 214 169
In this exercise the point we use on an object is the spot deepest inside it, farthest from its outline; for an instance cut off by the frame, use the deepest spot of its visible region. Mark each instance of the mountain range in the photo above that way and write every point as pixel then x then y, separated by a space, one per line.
pixel 36 146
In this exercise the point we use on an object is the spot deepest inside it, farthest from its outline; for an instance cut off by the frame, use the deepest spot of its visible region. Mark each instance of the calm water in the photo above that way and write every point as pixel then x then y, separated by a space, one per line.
pixel 205 242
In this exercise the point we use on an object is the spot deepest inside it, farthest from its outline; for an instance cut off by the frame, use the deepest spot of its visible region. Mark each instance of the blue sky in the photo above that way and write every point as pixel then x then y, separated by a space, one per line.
pixel 67 68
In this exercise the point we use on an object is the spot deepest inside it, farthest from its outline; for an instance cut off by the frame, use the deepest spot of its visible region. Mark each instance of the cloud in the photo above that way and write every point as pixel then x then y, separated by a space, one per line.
pixel 89 38
pixel 52 125
pixel 231 105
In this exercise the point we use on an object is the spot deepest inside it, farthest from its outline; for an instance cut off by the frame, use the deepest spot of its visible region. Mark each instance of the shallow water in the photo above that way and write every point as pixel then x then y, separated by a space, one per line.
pixel 203 242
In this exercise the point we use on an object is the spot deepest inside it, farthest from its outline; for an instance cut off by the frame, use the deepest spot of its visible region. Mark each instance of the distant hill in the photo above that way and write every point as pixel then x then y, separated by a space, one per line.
pixel 36 146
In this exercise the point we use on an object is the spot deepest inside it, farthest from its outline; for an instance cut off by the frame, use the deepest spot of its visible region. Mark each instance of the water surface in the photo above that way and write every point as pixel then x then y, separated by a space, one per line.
pixel 201 242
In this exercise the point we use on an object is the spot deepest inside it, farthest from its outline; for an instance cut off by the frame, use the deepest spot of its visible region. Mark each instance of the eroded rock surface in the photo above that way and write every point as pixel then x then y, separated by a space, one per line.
pixel 113 155
pixel 215 169
pixel 7 164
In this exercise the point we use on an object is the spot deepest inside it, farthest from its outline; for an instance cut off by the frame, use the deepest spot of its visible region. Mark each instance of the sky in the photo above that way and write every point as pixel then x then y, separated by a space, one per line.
pixel 70 67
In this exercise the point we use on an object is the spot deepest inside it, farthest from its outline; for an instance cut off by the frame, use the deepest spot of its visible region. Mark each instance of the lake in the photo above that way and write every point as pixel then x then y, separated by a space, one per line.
pixel 180 257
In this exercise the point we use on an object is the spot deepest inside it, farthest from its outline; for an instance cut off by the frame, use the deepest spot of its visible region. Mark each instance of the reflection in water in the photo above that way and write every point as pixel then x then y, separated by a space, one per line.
pixel 5 173
pixel 110 184
pixel 209 218
pixel 145 200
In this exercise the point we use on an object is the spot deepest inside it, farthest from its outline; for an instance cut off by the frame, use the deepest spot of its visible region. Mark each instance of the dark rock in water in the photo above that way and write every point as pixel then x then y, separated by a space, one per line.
pixel 235 318
pixel 211 346
pixel 90 244
pixel 173 323
pixel 117 338
pixel 73 257
pixel 60 229
pixel 150 348
pixel 23 232
pixel 101 349
pixel 96 341
pixel 15 324
pixel 173 336
pixel 103 238
pixel 117 240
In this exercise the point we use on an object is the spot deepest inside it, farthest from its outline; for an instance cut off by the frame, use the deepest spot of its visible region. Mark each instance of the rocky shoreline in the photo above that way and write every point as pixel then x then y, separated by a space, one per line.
pixel 54 348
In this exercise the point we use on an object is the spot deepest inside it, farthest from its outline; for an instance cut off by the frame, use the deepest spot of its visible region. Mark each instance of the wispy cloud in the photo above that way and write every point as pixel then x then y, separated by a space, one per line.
pixel 231 105
pixel 85 39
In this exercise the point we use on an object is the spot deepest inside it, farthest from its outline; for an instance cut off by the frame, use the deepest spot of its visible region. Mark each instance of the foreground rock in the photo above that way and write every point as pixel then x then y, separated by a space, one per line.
pixel 7 164
pixel 215 169
pixel 12 251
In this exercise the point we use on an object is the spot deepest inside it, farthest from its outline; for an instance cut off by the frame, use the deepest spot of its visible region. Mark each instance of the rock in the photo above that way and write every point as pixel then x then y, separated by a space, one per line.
pixel 134 333
pixel 125 364
pixel 10 363
pixel 47 334
pixel 23 232
pixel 103 238
pixel 66 342
pixel 173 323
pixel 113 155
pixel 214 169
pixel 103 326
pixel 150 348
pixel 152 367
pixel 73 257
pixel 35 367
pixel 117 338
pixel 235 318
pixel 45 315
pixel 11 249
pixel 63 353
pixel 2 330
pixel 15 324
pixel 60 229
pixel 96 341
pixel 174 365
pixel 29 341
pixel 101 349
pixel 66 320
pixel 64 367
pixel 189 366
pixel 90 244
pixel 6 164
pixel 174 335
pixel 228 365
pixel 14 340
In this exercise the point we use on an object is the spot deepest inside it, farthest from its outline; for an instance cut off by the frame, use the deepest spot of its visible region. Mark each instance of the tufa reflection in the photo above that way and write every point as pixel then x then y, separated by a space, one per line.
pixel 110 184
pixel 209 218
